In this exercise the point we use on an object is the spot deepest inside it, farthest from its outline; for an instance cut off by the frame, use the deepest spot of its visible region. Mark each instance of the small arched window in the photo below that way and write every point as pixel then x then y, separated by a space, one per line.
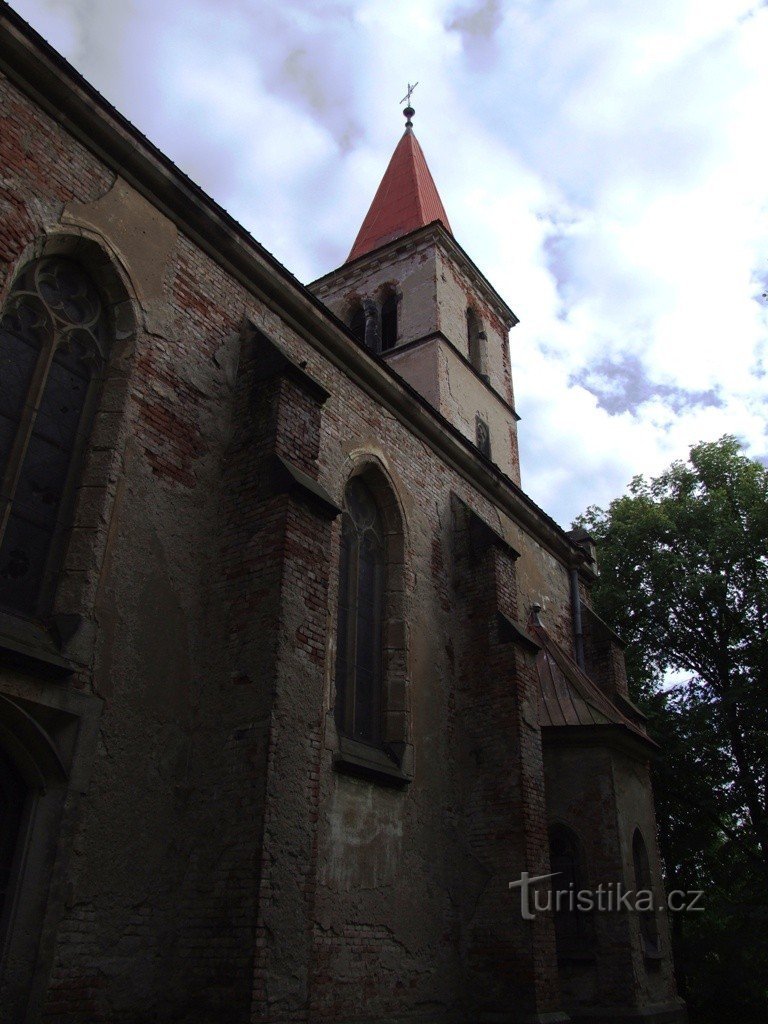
pixel 389 322
pixel 357 322
pixel 573 927
pixel 53 338
pixel 644 883
pixel 362 587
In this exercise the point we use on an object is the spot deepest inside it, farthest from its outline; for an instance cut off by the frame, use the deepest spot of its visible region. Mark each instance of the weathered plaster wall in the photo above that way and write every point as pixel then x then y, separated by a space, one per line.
pixel 455 294
pixel 463 397
pixel 410 271
pixel 420 367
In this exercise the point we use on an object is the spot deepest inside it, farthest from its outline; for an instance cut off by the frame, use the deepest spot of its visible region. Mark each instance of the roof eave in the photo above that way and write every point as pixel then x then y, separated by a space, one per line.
pixel 611 736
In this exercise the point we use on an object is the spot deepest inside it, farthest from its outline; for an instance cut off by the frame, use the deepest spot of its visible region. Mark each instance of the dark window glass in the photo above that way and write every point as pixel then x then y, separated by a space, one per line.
pixel 13 794
pixel 573 927
pixel 18 357
pixel 389 323
pixel 357 323
pixel 360 617
pixel 648 929
pixel 52 336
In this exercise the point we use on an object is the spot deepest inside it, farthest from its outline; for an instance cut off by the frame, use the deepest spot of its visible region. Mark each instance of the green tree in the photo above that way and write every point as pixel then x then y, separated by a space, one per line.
pixel 684 580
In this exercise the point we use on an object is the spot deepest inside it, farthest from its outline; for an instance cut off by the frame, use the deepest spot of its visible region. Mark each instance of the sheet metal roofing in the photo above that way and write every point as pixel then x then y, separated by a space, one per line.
pixel 567 694
pixel 406 199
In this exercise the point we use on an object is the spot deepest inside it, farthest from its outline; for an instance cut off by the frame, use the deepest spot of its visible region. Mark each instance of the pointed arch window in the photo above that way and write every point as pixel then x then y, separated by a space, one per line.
pixel 389 322
pixel 573 927
pixel 649 932
pixel 53 340
pixel 362 586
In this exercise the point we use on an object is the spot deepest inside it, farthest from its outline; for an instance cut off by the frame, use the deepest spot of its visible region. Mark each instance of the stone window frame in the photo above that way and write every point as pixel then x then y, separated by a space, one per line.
pixel 360 592
pixel 390 762
pixel 55 637
pixel 25 428
pixel 648 925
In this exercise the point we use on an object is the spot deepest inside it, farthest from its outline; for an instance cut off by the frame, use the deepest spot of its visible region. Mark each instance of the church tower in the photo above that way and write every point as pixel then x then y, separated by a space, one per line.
pixel 410 293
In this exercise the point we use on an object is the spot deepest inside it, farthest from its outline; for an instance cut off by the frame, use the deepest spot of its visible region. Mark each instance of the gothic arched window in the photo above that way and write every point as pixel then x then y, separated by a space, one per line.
pixel 573 927
pixel 643 883
pixel 53 338
pixel 389 322
pixel 357 322
pixel 362 588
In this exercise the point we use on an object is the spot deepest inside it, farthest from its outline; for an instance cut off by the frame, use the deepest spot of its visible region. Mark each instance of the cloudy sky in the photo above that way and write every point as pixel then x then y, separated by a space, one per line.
pixel 605 164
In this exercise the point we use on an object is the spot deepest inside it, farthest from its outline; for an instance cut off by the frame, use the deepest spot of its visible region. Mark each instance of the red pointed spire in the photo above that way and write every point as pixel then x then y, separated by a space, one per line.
pixel 405 200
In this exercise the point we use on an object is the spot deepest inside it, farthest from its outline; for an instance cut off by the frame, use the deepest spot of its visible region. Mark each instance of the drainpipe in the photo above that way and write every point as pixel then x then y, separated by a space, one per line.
pixel 578 630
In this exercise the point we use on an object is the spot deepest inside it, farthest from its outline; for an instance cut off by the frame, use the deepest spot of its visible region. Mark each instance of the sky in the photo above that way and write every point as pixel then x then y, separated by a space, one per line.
pixel 604 163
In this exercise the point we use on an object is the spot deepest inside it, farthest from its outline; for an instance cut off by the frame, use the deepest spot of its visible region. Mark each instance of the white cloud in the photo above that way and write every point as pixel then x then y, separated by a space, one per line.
pixel 604 164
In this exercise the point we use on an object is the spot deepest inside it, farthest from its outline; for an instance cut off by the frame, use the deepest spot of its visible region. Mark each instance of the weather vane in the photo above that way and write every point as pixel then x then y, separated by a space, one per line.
pixel 409 111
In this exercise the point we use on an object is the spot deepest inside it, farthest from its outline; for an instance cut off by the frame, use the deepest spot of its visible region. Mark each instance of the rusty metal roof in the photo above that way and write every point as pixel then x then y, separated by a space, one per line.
pixel 406 199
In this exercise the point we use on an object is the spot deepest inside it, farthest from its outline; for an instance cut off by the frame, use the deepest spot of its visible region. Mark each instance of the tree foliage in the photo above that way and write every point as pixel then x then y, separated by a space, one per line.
pixel 684 580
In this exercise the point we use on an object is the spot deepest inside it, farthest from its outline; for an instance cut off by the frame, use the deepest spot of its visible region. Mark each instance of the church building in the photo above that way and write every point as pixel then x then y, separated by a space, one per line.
pixel 298 687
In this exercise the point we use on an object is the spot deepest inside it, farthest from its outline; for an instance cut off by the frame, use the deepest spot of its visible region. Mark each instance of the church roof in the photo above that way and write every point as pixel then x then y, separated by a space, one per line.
pixel 568 696
pixel 406 199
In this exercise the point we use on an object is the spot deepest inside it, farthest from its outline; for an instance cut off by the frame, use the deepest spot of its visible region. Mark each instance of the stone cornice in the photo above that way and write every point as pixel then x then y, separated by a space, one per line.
pixel 44 75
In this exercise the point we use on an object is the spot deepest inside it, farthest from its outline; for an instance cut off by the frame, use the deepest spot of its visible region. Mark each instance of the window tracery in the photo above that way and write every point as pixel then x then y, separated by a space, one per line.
pixel 53 340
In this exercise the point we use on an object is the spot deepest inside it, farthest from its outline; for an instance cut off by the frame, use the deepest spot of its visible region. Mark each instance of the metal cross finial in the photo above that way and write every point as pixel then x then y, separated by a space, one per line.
pixel 407 97
pixel 409 111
